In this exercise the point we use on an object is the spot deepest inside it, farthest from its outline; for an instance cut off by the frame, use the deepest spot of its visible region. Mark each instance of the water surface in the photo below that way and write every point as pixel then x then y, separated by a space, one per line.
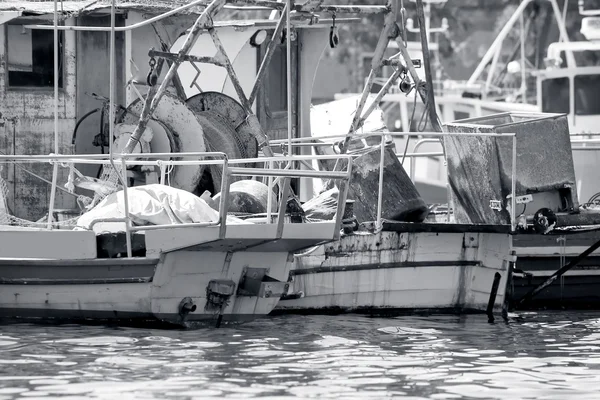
pixel 534 356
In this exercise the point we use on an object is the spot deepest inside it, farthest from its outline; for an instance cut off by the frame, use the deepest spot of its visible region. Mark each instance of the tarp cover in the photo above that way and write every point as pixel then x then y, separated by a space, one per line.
pixel 151 205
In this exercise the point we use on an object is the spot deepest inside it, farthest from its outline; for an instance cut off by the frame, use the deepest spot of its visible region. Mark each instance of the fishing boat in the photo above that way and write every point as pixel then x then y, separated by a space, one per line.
pixel 457 258
pixel 563 80
pixel 567 84
pixel 396 256
pixel 143 245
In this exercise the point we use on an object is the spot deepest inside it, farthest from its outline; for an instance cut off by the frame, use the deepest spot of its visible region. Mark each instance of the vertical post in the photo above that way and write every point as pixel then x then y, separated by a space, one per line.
pixel 224 203
pixel 380 190
pixel 508 293
pixel 523 66
pixel 283 206
pixel 126 203
pixel 163 173
pixel 492 298
pixel 111 83
pixel 427 65
pixel 342 197
pixel 56 136
pixel 288 40
pixel 513 184
pixel 270 194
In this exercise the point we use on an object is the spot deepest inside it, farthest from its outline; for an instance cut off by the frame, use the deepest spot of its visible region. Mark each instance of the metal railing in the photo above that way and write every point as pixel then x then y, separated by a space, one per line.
pixel 313 141
pixel 219 158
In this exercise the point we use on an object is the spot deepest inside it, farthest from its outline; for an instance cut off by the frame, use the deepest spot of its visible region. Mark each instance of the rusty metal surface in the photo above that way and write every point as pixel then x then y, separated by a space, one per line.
pixel 474 178
pixel 219 135
pixel 230 109
pixel 401 200
pixel 481 168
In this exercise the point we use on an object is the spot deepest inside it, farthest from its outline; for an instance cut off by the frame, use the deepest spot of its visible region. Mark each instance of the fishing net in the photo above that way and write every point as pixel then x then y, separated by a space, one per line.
pixel 7 219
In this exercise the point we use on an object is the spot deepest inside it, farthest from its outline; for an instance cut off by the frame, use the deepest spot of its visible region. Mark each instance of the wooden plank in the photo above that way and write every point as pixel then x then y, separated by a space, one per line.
pixel 57 244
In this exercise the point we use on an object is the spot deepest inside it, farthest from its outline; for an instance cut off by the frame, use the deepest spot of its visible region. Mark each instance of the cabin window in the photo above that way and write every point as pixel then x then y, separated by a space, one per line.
pixel 555 96
pixel 587 95
pixel 277 76
pixel 31 57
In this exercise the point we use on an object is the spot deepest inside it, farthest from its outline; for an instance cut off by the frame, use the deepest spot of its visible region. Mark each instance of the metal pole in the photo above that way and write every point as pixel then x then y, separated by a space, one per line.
pixel 523 66
pixel 427 65
pixel 380 190
pixel 126 202
pixel 288 39
pixel 56 136
pixel 111 87
pixel 270 194
pixel 513 184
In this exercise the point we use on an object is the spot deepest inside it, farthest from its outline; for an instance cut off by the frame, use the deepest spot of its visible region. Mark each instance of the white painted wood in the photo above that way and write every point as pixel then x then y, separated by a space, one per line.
pixel 6 16
pixel 188 273
pixel 124 297
pixel 170 239
pixel 391 279
pixel 55 244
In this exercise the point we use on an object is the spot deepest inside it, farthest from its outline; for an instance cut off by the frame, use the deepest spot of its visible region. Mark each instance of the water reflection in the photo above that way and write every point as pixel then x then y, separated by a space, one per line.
pixel 549 356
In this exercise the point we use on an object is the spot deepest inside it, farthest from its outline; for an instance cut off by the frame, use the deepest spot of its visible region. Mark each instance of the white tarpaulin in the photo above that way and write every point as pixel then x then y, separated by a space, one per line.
pixel 151 205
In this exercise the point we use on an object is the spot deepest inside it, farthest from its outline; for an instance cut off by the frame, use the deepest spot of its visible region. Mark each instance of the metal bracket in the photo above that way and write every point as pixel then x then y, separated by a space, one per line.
pixel 194 83
pixel 255 282
pixel 471 240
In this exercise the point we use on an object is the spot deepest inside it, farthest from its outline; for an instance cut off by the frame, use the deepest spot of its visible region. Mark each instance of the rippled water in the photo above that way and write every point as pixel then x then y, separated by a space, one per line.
pixel 534 356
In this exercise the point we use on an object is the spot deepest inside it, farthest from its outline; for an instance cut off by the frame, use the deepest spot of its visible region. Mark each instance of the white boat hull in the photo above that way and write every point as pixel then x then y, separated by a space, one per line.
pixel 189 276
pixel 395 271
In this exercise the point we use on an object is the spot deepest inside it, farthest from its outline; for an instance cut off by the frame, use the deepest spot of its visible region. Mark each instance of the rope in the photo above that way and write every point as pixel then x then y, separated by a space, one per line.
pixel 412 117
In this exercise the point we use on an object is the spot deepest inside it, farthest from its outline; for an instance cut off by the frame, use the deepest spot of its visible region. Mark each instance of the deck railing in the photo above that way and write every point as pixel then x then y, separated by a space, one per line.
pixel 313 141
pixel 229 169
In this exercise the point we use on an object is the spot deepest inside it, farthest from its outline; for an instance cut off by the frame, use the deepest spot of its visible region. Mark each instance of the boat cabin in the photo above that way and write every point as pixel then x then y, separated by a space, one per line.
pixel 571 85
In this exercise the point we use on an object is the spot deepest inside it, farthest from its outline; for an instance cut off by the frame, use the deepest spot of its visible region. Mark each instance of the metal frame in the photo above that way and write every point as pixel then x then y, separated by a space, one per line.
pixel 438 135
pixel 204 22
pixel 124 160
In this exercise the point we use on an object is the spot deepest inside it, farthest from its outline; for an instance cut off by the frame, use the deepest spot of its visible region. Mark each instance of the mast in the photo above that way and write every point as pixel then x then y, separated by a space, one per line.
pixel 430 104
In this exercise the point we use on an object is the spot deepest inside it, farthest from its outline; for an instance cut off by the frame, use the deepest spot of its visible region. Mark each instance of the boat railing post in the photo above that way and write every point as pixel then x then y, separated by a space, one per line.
pixel 380 189
pixel 224 202
pixel 126 201
pixel 270 193
pixel 513 184
pixel 342 196
pixel 163 171
pixel 282 206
